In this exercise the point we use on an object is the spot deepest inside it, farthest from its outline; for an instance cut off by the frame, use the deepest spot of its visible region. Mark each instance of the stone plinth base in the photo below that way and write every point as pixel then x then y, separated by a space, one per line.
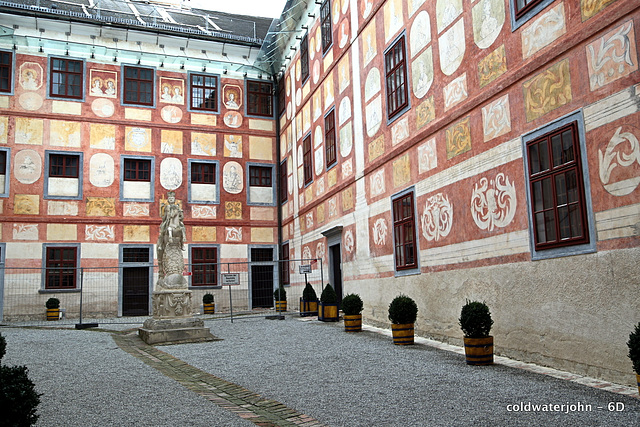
pixel 171 303
pixel 174 331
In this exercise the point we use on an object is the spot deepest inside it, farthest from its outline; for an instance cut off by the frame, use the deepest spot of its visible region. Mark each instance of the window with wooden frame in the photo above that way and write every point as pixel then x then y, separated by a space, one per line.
pixel 138 85
pixel 204 92
pixel 521 7
pixel 307 160
pixel 284 182
pixel 203 173
pixel 556 186
pixel 6 71
pixel 404 232
pixel 282 98
pixel 330 138
pixel 137 170
pixel 3 163
pixel 285 278
pixel 204 266
pixel 395 66
pixel 325 25
pixel 61 267
pixel 259 98
pixel 64 165
pixel 304 58
pixel 66 78
pixel 260 176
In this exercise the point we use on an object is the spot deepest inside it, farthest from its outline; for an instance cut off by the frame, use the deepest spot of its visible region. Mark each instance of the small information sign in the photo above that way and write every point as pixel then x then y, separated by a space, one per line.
pixel 229 279
pixel 305 269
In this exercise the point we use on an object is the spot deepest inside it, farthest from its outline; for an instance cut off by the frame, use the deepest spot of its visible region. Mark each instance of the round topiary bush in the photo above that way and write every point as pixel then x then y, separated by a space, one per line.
pixel 52 303
pixel 634 348
pixel 403 310
pixel 328 295
pixel 352 304
pixel 475 320
pixel 207 299
pixel 308 293
pixel 280 294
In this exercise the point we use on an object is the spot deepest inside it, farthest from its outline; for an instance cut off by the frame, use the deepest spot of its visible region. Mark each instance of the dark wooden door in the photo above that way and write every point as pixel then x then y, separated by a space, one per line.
pixel 262 286
pixel 336 267
pixel 135 291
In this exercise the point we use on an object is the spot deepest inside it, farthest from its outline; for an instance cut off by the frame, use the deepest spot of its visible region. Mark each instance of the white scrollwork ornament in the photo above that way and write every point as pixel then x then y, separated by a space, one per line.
pixel 349 241
pixel 437 218
pixel 613 156
pixel 493 203
pixel 380 231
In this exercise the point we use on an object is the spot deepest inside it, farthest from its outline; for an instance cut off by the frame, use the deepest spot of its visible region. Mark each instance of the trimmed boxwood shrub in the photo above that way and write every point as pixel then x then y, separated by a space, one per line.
pixel 634 348
pixel 328 295
pixel 352 304
pixel 53 303
pixel 280 294
pixel 403 310
pixel 475 320
pixel 308 293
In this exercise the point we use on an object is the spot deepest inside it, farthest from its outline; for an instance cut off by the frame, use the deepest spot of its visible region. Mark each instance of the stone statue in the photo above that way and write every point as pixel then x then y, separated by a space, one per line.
pixel 170 245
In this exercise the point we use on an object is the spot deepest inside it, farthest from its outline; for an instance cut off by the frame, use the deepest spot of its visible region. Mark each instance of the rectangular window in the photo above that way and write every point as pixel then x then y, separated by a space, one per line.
pixel 259 176
pixel 203 173
pixel 557 189
pixel 284 265
pixel 261 254
pixel 61 267
pixel 6 71
pixel 138 85
pixel 284 184
pixel 307 160
pixel 204 92
pixel 204 266
pixel 259 98
pixel 304 58
pixel 396 79
pixel 66 78
pixel 137 170
pixel 63 166
pixel 325 24
pixel 330 138
pixel 282 99
pixel 3 163
pixel 404 233
pixel 523 6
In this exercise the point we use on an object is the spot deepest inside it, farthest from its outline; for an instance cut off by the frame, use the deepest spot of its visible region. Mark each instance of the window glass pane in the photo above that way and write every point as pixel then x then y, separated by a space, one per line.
pixel 550 221
pixel 543 150
pixel 564 225
pixel 556 147
pixel 576 220
pixel 561 190
pixel 534 161
pixel 567 146
pixel 572 186
pixel 547 193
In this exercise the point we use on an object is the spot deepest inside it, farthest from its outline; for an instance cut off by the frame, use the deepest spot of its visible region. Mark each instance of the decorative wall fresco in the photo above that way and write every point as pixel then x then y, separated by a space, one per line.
pixel 422 73
pixel 232 119
pixel 103 107
pixel 425 113
pixel 455 92
pixel 348 199
pixel 458 138
pixel 344 110
pixel 590 8
pixel 31 101
pixel 488 20
pixel 171 141
pixel 369 47
pixel 496 118
pixel 401 171
pixel 171 173
pixel 373 116
pixel 203 234
pixel 619 162
pixel 372 84
pixel 446 12
pixel 492 66
pixel 64 134
pixel 612 56
pixel 392 18
pixel 376 183
pixel 233 146
pixel 203 144
pixel 232 178
pixel 547 91
pixel 25 231
pixel 29 131
pixel 493 202
pixel 135 233
pixel 137 139
pixel 203 212
pixel 100 206
pixel 101 170
pixel 437 218
pixel 452 46
pixel 30 76
pixel 4 128
pixel 346 139
pixel 103 83
pixel 376 148
pixel 233 234
pixel 171 114
pixel 135 209
pixel 380 231
pixel 233 210
pixel 427 156
pixel 420 34
pixel 27 166
pixel 232 96
pixel 400 131
pixel 344 74
pixel 62 207
pixel 318 159
pixel 543 30
pixel 349 243
pixel 102 137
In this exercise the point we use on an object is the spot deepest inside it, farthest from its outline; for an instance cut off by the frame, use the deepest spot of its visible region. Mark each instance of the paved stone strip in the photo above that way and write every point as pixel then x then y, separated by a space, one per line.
pixel 244 403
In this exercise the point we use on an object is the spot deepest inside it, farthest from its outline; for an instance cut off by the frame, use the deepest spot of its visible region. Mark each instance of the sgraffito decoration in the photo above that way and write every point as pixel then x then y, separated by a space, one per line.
pixel 623 150
pixel 349 241
pixel 492 66
pixel 458 138
pixel 380 231
pixel 437 218
pixel 493 202
pixel 591 7
pixel 547 91
pixel 612 56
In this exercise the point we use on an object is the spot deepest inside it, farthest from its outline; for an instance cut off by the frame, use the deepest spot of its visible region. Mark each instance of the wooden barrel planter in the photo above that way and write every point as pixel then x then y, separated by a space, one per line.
pixel 53 314
pixel 308 308
pixel 479 351
pixel 402 333
pixel 328 312
pixel 353 322
pixel 638 379
pixel 209 308
pixel 281 306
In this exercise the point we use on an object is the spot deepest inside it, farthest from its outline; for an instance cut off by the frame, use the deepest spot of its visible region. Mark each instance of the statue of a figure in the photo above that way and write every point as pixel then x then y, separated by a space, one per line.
pixel 171 241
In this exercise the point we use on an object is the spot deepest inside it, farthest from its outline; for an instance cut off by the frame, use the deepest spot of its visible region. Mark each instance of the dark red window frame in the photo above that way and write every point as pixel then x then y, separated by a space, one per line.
pixel 137 170
pixel 521 7
pixel 204 92
pixel 404 232
pixel 204 266
pixel 285 278
pixel 259 98
pixel 138 85
pixel 307 160
pixel 304 58
pixel 64 165
pixel 3 162
pixel 260 176
pixel 203 173
pixel 330 138
pixel 66 78
pixel 396 78
pixel 61 267
pixel 325 25
pixel 284 182
pixel 6 71
pixel 557 189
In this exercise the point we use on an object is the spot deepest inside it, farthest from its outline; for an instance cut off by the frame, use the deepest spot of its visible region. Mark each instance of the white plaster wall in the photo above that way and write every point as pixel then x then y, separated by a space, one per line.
pixel 203 192
pixel 63 187
pixel 136 190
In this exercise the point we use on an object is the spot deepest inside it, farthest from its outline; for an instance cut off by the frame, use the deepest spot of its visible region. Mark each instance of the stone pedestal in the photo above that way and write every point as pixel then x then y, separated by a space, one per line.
pixel 172 322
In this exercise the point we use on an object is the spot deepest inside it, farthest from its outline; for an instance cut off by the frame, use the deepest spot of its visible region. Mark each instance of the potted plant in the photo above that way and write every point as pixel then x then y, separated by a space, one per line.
pixel 308 301
pixel 403 312
pixel 475 321
pixel 328 308
pixel 634 352
pixel 280 296
pixel 352 309
pixel 208 304
pixel 53 309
